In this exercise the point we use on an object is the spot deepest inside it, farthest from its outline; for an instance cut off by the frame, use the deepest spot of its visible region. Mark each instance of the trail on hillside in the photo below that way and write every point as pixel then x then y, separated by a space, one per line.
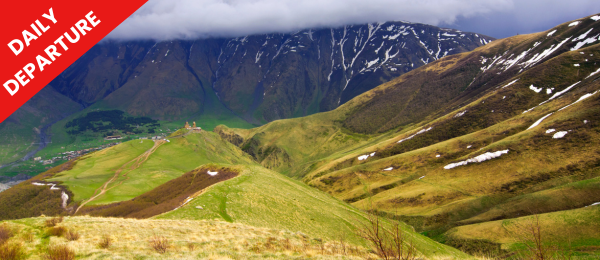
pixel 135 163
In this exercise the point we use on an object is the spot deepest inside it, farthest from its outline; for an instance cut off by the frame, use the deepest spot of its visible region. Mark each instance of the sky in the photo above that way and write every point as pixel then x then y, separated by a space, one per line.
pixel 192 19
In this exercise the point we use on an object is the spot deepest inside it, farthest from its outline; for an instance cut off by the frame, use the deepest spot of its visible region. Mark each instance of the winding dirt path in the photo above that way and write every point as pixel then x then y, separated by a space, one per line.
pixel 135 163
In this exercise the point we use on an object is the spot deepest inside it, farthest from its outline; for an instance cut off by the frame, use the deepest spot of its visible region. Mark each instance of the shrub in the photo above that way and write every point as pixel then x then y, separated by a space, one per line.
pixel 72 235
pixel 160 244
pixel 12 251
pixel 5 233
pixel 388 243
pixel 58 231
pixel 59 252
pixel 53 221
pixel 105 242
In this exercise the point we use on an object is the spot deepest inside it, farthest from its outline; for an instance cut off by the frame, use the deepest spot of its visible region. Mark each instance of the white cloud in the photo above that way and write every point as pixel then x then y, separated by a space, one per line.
pixel 190 19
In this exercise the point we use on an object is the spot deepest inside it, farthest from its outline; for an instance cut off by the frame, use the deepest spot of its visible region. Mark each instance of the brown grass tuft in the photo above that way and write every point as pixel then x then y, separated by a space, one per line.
pixel 59 252
pixel 51 222
pixel 191 246
pixel 72 235
pixel 105 242
pixel 12 251
pixel 160 244
pixel 5 233
pixel 57 231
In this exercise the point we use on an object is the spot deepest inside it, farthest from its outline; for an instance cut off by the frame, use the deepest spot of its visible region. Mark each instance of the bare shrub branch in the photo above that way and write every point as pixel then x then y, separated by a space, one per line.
pixel 160 244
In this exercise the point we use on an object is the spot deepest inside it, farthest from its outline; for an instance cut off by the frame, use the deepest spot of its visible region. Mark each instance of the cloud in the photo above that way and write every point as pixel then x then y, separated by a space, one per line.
pixel 191 19
pixel 527 16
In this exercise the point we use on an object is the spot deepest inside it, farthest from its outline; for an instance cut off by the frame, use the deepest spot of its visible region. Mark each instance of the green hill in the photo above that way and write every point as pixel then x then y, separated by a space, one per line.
pixel 475 137
pixel 137 166
pixel 131 178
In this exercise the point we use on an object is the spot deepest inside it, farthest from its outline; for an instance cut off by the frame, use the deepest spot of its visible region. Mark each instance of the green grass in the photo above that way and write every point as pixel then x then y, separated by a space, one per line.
pixel 93 170
pixel 19 132
pixel 30 168
pixel 575 230
pixel 169 161
pixel 264 198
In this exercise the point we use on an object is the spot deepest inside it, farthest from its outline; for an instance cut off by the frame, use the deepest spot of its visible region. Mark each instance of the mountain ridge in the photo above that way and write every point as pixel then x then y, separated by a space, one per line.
pixel 310 71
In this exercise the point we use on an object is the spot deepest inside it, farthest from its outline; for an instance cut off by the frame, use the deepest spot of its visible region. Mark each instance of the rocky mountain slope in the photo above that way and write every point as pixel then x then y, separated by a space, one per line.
pixel 260 78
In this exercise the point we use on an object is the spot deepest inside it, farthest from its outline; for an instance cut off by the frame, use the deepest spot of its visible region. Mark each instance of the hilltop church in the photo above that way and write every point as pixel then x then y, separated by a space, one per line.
pixel 193 128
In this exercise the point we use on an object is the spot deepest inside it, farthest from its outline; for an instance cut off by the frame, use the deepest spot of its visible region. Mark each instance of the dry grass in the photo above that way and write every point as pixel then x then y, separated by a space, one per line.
pixel 51 222
pixel 182 239
pixel 191 246
pixel 72 235
pixel 59 252
pixel 12 251
pixel 57 231
pixel 105 242
pixel 160 244
pixel 5 233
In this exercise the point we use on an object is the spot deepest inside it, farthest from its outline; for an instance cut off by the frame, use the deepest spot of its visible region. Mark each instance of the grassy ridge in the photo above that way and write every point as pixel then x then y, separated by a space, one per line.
pixel 163 198
pixel 263 198
pixel 168 161
pixel 26 200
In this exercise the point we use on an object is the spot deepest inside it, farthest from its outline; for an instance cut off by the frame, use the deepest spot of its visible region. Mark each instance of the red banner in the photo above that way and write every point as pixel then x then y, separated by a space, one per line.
pixel 41 38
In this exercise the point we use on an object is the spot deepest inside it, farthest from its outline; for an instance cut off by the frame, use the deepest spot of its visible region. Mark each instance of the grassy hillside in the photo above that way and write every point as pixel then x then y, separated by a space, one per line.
pixel 263 198
pixel 572 230
pixel 138 166
pixel 185 239
pixel 257 197
pixel 526 107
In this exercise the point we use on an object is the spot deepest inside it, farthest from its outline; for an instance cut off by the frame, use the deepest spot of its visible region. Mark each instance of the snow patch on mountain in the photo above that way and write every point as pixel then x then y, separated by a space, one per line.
pixel 536 90
pixel 477 159
pixel 560 134
pixel 460 114
pixel 593 73
pixel 512 82
pixel 418 133
pixel 580 99
pixel 539 121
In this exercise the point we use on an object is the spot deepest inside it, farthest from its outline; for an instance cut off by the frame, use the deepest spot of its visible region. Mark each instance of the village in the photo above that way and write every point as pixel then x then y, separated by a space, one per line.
pixel 69 155
pixel 73 154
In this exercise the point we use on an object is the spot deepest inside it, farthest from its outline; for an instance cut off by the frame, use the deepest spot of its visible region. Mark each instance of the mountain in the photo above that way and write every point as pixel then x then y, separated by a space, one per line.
pixel 505 131
pixel 260 78
pixel 241 82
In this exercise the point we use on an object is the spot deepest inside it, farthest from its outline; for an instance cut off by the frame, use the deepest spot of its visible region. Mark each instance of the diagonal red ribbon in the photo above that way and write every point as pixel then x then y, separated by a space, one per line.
pixel 41 38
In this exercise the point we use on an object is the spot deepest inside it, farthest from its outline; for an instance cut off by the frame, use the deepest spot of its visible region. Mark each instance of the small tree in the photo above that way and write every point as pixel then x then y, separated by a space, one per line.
pixel 389 243
pixel 538 247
